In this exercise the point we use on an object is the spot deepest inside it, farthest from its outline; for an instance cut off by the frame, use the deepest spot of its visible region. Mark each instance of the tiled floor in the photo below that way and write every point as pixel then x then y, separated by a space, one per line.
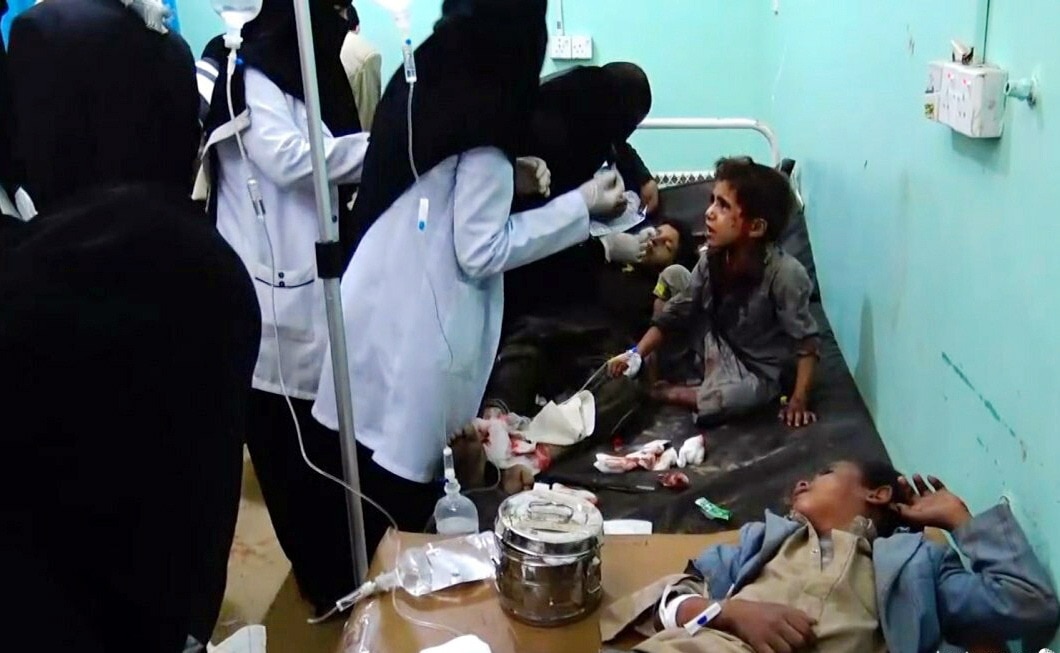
pixel 260 587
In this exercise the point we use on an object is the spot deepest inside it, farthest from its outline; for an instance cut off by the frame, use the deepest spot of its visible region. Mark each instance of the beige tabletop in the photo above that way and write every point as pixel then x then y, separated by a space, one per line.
pixel 629 563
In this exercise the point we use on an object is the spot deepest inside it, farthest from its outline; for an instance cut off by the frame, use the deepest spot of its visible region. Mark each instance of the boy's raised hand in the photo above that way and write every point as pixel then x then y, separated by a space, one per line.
pixel 930 503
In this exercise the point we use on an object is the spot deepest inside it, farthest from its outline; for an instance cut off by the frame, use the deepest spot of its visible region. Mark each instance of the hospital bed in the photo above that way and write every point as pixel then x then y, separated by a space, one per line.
pixel 752 463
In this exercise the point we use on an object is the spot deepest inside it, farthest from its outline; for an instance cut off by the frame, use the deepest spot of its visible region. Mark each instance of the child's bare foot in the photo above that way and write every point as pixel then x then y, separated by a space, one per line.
pixel 672 394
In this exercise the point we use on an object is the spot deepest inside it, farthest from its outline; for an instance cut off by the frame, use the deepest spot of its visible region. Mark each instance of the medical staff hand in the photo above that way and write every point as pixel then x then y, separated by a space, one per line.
pixel 532 177
pixel 649 197
pixel 603 195
pixel 624 248
pixel 931 504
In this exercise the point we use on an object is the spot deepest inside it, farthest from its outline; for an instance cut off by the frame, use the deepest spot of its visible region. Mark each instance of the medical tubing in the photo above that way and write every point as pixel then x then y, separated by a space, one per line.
pixel 347 601
pixel 369 587
pixel 259 211
pixel 253 188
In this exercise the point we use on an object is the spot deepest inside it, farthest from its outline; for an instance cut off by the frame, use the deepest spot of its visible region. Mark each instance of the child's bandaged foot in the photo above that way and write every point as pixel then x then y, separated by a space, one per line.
pixel 507 446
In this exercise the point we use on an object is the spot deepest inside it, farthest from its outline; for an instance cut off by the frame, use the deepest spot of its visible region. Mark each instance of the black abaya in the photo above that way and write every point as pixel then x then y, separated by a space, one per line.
pixel 100 99
pixel 128 335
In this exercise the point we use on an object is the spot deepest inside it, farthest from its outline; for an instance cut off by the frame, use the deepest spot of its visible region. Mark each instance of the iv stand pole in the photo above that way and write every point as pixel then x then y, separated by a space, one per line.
pixel 328 224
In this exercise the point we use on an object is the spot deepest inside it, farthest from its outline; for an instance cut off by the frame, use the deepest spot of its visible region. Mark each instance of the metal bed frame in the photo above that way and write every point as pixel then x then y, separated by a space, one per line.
pixel 676 178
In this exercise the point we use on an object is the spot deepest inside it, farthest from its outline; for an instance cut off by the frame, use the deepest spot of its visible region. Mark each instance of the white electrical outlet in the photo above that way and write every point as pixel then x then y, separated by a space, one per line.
pixel 559 47
pixel 970 99
pixel 582 48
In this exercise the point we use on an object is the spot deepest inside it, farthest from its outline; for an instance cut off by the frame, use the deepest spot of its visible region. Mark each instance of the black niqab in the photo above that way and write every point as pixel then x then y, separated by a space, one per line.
pixel 477 83
pixel 270 45
pixel 99 99
pixel 582 114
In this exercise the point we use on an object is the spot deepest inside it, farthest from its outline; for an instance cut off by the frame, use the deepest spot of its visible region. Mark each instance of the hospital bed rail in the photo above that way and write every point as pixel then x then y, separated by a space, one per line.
pixel 672 178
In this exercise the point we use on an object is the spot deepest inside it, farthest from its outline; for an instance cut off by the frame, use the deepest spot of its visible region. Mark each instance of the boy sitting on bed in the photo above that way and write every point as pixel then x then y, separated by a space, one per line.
pixel 746 312
pixel 834 577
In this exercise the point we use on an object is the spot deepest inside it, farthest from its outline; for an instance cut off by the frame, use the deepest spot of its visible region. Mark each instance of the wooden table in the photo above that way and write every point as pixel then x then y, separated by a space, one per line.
pixel 629 563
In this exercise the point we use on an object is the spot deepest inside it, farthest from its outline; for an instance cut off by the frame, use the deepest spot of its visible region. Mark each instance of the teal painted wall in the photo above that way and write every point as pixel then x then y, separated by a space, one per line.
pixel 685 74
pixel 937 253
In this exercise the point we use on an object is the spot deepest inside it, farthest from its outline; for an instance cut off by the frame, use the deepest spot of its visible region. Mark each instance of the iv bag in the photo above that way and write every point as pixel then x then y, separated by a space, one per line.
pixel 236 13
pixel 440 565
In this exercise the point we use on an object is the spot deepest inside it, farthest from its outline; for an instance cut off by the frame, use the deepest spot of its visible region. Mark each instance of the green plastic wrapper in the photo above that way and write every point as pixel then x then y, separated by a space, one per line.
pixel 712 510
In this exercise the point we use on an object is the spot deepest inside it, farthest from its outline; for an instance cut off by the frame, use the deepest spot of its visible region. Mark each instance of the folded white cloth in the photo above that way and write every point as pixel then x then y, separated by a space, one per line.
pixel 564 424
pixel 465 644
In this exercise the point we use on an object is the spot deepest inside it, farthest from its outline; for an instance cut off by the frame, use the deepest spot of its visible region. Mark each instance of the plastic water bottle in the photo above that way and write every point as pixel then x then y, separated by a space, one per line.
pixel 454 514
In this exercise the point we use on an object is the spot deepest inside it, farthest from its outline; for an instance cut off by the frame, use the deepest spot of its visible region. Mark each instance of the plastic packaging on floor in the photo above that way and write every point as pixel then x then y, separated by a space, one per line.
pixel 250 639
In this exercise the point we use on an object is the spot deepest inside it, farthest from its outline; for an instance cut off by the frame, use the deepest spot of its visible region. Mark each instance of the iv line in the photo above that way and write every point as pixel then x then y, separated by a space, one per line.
pixel 258 205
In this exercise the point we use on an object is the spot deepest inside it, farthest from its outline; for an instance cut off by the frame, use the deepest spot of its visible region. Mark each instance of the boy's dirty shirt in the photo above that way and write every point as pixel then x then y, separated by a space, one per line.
pixel 745 345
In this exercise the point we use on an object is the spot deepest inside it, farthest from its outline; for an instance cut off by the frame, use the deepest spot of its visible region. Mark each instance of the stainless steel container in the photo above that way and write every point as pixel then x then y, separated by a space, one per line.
pixel 548 570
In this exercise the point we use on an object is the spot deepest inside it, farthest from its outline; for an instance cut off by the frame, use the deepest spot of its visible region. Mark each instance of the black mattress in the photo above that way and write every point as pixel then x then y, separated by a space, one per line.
pixel 752 463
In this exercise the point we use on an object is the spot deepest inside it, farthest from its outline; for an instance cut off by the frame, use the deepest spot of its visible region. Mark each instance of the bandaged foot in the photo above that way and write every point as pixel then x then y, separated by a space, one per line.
pixel 516 479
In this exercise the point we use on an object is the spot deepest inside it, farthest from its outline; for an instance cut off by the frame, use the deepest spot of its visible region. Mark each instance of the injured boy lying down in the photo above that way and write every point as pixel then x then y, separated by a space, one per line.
pixel 745 314
pixel 849 572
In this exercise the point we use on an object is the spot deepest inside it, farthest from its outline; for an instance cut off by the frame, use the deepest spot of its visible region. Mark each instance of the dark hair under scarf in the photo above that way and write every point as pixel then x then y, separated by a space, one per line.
pixel 128 336
pixel 270 46
pixel 477 83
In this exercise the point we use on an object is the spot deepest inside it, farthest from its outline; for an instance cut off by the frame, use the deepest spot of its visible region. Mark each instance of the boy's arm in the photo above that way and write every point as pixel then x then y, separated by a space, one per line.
pixel 791 292
pixel 796 412
pixel 717 567
pixel 1007 594
pixel 674 316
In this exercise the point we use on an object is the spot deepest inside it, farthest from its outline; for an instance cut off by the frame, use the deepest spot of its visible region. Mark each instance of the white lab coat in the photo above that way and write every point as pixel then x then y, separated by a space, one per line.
pixel 423 309
pixel 277 145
